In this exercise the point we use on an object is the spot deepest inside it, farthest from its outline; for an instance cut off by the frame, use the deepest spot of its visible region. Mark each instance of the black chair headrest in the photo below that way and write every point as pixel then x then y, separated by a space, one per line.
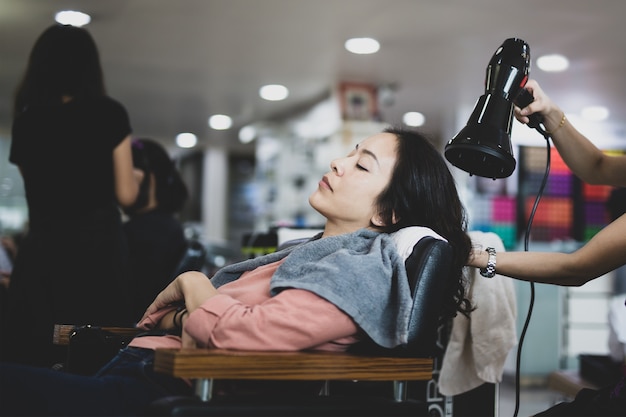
pixel 428 272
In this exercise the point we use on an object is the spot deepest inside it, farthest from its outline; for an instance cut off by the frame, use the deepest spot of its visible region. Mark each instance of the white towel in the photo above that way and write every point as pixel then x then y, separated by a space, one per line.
pixel 407 237
pixel 478 347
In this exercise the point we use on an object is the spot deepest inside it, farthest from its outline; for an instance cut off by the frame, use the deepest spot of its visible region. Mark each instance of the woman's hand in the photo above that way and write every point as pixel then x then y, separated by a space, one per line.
pixel 193 288
pixel 541 104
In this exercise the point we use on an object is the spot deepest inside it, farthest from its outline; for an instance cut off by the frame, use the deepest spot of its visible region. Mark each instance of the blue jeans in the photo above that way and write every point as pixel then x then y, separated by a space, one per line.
pixel 123 387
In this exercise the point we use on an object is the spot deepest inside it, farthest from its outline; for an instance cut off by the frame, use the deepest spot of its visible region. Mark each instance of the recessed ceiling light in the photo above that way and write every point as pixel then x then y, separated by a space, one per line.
pixel 72 17
pixel 362 45
pixel 552 63
pixel 220 122
pixel 186 140
pixel 274 92
pixel 595 113
pixel 413 118
pixel 247 134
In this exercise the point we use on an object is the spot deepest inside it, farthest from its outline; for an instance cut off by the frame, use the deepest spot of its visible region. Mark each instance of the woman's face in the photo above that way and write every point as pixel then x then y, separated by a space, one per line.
pixel 346 195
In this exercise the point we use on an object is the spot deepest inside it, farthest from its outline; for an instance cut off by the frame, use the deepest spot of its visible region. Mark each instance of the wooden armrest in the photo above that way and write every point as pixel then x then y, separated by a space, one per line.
pixel 63 332
pixel 309 365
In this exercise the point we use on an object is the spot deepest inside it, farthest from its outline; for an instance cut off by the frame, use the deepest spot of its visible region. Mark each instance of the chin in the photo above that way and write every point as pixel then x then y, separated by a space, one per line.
pixel 312 199
pixel 316 206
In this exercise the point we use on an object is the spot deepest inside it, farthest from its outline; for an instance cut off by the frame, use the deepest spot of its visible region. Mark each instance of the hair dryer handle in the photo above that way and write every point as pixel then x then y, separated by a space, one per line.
pixel 523 99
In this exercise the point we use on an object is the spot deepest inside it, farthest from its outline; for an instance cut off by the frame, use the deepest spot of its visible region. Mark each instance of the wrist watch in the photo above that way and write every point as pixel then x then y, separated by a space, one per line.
pixel 490 270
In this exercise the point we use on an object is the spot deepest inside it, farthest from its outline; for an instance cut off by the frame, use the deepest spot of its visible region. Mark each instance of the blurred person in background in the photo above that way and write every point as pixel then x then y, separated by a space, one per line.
pixel 155 236
pixel 72 145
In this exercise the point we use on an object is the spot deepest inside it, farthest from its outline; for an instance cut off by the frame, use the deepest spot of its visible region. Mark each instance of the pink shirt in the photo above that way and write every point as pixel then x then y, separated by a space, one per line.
pixel 243 316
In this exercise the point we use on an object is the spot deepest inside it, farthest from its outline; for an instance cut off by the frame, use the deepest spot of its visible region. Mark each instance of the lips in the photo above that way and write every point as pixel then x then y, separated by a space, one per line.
pixel 325 183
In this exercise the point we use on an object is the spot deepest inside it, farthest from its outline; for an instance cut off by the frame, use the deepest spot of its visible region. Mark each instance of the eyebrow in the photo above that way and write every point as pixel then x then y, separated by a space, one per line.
pixel 370 153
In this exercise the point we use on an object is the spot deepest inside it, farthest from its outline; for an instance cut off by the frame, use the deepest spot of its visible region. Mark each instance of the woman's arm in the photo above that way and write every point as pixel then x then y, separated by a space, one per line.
pixel 292 320
pixel 605 252
pixel 585 159
pixel 126 183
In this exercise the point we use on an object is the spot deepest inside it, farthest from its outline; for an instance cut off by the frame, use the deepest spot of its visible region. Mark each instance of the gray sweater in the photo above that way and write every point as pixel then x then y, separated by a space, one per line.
pixel 360 272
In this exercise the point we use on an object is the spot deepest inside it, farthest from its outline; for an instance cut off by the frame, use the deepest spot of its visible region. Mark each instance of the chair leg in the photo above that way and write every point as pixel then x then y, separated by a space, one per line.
pixel 399 391
pixel 204 388
pixel 325 390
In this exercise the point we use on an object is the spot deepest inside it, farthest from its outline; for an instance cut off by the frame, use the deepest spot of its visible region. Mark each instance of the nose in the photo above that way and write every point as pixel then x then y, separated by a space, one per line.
pixel 336 166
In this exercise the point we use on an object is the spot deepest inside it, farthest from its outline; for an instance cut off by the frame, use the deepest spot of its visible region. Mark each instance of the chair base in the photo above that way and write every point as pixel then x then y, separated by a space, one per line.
pixel 332 406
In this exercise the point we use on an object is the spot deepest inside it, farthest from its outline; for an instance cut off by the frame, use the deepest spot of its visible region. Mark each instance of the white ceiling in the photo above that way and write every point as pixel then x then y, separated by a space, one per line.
pixel 173 63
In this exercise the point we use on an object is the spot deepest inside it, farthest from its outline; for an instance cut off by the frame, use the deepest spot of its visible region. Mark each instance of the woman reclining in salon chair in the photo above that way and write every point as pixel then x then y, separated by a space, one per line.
pixel 345 285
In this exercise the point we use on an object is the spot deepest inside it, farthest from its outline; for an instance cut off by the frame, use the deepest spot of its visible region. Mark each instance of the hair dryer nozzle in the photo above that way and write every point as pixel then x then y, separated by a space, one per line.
pixel 485 159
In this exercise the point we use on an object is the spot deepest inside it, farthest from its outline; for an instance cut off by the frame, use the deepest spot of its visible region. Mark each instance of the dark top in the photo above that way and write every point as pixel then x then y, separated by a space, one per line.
pixel 65 154
pixel 157 244
pixel 72 267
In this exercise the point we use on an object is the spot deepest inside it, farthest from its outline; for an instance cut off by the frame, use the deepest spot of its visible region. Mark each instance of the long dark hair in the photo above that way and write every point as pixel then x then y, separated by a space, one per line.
pixel 63 62
pixel 422 192
pixel 171 191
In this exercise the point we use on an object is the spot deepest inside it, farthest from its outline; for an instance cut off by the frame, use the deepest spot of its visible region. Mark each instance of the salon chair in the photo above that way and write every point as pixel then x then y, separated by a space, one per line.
pixel 382 374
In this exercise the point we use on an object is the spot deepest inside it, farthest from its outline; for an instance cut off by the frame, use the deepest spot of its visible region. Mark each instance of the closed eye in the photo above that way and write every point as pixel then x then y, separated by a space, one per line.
pixel 361 167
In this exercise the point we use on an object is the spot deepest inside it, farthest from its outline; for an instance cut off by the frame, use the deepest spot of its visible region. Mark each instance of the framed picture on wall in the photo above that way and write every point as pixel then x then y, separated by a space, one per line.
pixel 358 101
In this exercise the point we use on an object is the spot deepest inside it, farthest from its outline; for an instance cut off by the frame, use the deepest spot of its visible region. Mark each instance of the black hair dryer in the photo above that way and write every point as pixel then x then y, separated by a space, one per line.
pixel 483 146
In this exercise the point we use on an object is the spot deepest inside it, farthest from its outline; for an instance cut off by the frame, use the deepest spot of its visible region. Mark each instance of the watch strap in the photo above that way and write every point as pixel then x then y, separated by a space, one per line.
pixel 490 270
